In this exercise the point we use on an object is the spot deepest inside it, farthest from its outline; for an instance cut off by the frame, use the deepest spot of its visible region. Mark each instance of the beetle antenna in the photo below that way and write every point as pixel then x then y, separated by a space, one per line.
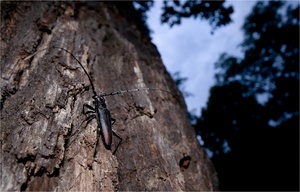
pixel 92 84
pixel 138 89
pixel 90 79
pixel 72 55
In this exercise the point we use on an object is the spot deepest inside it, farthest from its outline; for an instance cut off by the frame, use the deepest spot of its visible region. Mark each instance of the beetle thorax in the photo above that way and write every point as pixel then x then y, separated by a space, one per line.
pixel 100 101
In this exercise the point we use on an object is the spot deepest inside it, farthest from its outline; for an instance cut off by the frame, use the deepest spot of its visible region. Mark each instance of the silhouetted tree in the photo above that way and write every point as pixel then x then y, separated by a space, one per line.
pixel 213 11
pixel 173 11
pixel 255 143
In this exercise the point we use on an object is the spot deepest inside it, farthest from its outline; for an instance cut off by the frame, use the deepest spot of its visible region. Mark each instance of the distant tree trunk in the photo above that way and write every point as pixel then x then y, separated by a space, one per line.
pixel 42 99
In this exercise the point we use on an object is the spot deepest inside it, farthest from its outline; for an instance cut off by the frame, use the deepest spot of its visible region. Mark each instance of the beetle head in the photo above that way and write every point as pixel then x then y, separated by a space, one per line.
pixel 100 100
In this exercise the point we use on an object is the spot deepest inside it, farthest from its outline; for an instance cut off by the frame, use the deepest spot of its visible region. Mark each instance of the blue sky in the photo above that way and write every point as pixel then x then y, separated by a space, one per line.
pixel 192 50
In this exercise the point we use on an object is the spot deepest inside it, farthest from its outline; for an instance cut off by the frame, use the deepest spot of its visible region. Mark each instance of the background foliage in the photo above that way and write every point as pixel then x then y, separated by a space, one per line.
pixel 251 122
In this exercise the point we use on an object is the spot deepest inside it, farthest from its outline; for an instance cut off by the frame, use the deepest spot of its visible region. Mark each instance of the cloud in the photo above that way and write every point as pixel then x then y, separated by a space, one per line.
pixel 191 49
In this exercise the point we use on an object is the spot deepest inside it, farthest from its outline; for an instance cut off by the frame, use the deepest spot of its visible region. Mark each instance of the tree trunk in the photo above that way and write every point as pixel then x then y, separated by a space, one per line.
pixel 42 97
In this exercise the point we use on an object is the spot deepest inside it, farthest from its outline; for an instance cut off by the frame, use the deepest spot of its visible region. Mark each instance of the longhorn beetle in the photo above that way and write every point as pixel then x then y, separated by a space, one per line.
pixel 100 111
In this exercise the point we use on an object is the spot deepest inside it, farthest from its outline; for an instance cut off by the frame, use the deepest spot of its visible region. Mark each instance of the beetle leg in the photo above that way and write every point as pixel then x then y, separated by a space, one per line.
pixel 112 120
pixel 87 112
pixel 119 137
pixel 89 107
pixel 88 119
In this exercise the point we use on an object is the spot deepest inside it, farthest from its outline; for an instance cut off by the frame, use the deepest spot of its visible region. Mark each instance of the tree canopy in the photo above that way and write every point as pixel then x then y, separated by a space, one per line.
pixel 252 115
pixel 174 11
pixel 213 11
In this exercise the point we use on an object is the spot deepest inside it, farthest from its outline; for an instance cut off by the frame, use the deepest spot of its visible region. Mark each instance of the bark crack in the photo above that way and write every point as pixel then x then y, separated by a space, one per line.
pixel 5 93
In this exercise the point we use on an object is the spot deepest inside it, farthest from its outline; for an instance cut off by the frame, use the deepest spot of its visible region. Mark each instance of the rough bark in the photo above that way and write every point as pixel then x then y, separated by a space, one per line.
pixel 42 99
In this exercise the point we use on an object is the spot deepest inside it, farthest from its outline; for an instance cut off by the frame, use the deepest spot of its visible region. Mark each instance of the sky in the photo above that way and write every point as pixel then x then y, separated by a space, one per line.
pixel 191 49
